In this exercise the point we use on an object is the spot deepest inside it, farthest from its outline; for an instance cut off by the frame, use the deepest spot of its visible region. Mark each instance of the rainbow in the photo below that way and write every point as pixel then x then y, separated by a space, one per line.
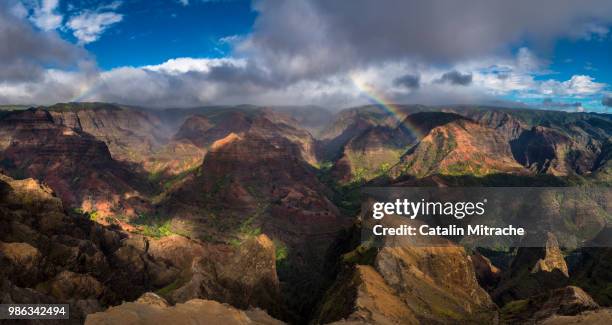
pixel 378 99
pixel 90 87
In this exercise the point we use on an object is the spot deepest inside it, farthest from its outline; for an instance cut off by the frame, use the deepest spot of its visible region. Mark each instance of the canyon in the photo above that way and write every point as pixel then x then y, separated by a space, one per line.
pixel 254 213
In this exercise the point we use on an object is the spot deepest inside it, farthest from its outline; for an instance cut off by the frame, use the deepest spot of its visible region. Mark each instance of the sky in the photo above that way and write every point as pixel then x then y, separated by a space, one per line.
pixel 549 54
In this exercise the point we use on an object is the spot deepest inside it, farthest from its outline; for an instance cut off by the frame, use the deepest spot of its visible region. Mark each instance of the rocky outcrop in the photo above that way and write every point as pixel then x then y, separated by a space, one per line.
pixel 600 316
pixel 555 152
pixel 251 184
pixel 76 165
pixel 488 275
pixel 130 134
pixel 442 278
pixel 503 122
pixel 428 280
pixel 46 255
pixel 179 251
pixel 533 270
pixel 243 276
pixel 362 295
pixel 349 124
pixel 312 118
pixel 205 128
pixel 203 131
pixel 461 147
pixel 566 301
pixel 49 256
pixel 195 311
pixel 264 184
pixel 24 259
pixel 593 272
pixel 152 299
pixel 372 153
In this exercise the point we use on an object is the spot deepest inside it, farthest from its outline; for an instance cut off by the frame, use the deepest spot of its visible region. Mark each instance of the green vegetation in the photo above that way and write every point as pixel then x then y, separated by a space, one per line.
pixel 157 230
pixel 165 182
pixel 509 180
pixel 92 215
pixel 154 226
pixel 155 176
pixel 234 242
pixel 384 169
pixel 167 290
pixel 280 251
pixel 364 254
pixel 366 167
pixel 465 167
pixel 347 197
pixel 359 175
pixel 248 228
pixel 220 183
pixel 325 165
pixel 514 308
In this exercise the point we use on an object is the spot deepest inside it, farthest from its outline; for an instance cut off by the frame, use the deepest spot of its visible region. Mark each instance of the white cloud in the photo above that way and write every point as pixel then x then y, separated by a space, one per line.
pixel 45 15
pixel 184 65
pixel 306 55
pixel 231 39
pixel 89 25
pixel 186 2
pixel 111 6
pixel 185 82
pixel 577 85
pixel 53 87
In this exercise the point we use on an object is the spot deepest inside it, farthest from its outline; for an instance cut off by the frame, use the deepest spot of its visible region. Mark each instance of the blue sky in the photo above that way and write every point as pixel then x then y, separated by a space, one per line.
pixel 545 54
pixel 591 57
pixel 154 31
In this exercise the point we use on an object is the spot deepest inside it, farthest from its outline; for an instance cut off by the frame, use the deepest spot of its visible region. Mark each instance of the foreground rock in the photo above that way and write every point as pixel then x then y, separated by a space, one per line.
pixel 363 296
pixel 192 312
pixel 488 275
pixel 593 272
pixel 242 276
pixel 51 257
pixel 408 280
pixel 567 301
pixel 534 270
pixel 595 317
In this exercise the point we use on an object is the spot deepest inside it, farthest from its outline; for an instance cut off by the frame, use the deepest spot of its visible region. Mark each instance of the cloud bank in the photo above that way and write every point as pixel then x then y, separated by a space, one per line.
pixel 311 52
pixel 31 53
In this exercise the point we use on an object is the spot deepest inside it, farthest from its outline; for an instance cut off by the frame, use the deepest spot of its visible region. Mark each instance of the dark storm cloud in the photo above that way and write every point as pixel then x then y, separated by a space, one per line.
pixel 311 38
pixel 456 78
pixel 607 101
pixel 26 52
pixel 408 81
